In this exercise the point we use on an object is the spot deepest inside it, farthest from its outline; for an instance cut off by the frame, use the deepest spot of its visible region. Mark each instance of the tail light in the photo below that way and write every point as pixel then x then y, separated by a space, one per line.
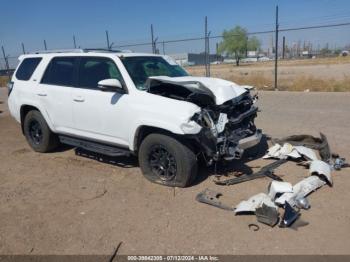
pixel 9 87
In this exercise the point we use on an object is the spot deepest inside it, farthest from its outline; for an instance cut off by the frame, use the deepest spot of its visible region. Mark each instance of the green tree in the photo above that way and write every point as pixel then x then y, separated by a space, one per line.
pixel 236 43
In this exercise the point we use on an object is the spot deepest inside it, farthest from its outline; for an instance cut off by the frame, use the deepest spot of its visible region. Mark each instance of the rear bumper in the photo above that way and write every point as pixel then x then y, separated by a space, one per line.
pixel 250 141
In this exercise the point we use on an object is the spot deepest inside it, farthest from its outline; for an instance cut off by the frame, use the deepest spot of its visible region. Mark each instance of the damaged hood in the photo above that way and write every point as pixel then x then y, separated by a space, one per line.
pixel 221 90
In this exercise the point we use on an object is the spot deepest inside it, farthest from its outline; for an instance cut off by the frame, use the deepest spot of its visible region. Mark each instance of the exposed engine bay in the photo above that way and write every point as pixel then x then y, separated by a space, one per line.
pixel 227 128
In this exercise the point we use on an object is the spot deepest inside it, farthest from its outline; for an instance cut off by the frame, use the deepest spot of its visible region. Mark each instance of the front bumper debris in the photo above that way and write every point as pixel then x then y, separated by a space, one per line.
pixel 250 141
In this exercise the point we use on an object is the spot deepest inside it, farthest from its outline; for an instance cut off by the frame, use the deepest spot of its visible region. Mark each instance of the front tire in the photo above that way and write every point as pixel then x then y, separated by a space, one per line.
pixel 165 160
pixel 38 133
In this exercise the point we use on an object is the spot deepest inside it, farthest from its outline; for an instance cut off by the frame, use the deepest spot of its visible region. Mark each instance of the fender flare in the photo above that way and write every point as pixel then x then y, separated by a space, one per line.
pixel 151 123
pixel 43 113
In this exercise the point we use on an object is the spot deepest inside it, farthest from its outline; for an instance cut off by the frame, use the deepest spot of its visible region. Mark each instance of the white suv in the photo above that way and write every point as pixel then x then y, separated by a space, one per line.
pixel 117 103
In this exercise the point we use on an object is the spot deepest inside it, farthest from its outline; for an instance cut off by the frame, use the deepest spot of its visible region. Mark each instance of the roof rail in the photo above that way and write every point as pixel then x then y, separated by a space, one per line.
pixel 78 50
pixel 60 51
pixel 103 50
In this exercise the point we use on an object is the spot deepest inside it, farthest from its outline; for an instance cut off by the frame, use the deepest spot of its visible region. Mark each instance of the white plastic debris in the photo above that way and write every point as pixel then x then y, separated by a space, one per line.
pixel 273 151
pixel 307 152
pixel 282 152
pixel 254 202
pixel 322 169
pixel 301 189
pixel 278 187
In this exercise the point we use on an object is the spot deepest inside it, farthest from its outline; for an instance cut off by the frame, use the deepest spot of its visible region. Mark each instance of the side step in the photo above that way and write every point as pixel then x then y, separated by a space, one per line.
pixel 94 146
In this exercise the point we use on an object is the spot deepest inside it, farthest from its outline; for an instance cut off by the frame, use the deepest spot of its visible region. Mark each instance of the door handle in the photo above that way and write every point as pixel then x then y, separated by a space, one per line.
pixel 79 99
pixel 42 94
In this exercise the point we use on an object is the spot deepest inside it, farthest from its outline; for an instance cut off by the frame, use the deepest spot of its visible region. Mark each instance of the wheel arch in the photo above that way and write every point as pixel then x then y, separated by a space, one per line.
pixel 143 131
pixel 25 109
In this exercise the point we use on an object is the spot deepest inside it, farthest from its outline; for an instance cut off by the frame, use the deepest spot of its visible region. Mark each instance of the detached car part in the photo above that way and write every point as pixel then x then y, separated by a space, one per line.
pixel 211 197
pixel 266 171
pixel 267 215
pixel 321 168
pixel 278 187
pixel 255 202
pixel 290 215
pixel 300 190
pixel 339 163
pixel 288 150
pixel 302 203
pixel 320 144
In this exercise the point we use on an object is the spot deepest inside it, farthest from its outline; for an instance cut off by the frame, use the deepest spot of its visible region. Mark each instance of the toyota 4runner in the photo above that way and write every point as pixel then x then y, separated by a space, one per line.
pixel 121 103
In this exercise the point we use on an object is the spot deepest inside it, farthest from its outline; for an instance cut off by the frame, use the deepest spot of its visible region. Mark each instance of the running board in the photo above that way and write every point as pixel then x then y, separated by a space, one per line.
pixel 94 146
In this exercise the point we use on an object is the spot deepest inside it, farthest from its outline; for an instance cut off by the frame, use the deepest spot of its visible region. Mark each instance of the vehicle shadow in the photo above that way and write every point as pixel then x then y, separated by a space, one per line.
pixel 120 161
pixel 226 168
pixel 223 168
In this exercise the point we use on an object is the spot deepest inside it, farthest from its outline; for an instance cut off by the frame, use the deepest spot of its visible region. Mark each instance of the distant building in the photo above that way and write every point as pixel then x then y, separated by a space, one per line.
pixel 186 59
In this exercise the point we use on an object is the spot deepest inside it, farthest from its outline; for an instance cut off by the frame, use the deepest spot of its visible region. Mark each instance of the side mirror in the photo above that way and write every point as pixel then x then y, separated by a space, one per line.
pixel 110 85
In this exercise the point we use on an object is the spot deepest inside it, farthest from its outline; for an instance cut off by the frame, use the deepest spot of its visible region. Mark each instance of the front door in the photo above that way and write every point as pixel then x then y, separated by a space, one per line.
pixel 97 113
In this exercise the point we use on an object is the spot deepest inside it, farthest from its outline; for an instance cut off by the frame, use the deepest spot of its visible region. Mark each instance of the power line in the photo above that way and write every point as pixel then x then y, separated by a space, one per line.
pixel 249 33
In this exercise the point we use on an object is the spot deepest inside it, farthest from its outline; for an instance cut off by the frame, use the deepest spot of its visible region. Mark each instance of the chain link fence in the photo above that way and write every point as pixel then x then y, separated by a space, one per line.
pixel 310 57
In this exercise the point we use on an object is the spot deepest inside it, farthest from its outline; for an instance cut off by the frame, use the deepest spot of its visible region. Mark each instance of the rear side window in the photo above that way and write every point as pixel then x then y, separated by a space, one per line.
pixel 60 71
pixel 94 69
pixel 27 68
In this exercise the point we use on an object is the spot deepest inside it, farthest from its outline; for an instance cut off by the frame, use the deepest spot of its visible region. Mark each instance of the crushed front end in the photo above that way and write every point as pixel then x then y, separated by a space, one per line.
pixel 228 129
pixel 226 116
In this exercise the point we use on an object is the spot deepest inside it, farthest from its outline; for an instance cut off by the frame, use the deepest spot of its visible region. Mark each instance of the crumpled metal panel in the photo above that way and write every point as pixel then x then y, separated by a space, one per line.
pixel 301 189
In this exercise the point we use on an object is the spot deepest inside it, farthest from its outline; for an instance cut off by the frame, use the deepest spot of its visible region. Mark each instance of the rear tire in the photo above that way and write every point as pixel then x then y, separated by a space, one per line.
pixel 165 160
pixel 38 133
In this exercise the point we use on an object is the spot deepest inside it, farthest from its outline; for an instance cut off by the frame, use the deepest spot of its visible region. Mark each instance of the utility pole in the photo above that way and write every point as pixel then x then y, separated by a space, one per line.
pixel 75 43
pixel 276 47
pixel 283 46
pixel 45 46
pixel 217 51
pixel 246 47
pixel 23 50
pixel 208 52
pixel 6 62
pixel 107 39
pixel 152 39
pixel 206 46
pixel 163 48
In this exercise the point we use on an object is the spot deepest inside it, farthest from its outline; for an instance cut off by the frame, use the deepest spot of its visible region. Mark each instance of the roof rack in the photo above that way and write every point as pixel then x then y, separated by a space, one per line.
pixel 78 50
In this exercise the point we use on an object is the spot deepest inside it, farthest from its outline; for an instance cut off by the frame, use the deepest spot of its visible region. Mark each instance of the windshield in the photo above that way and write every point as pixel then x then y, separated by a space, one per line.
pixel 142 67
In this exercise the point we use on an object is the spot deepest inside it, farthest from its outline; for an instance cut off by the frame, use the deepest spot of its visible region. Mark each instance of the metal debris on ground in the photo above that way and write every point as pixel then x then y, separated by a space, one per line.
pixel 320 144
pixel 267 215
pixel 300 190
pixel 254 202
pixel 302 203
pixel 291 198
pixel 253 227
pixel 339 163
pixel 320 168
pixel 211 197
pixel 278 187
pixel 266 171
pixel 290 215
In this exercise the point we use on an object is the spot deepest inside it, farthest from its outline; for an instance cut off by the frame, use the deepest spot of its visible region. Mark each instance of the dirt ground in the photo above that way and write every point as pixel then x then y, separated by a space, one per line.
pixel 61 203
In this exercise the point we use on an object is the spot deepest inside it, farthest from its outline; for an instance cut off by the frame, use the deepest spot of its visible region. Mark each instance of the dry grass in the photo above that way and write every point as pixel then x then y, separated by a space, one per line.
pixel 3 81
pixel 324 74
pixel 297 84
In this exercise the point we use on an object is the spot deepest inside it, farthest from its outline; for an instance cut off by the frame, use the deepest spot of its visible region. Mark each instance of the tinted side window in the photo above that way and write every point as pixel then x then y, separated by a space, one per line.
pixel 94 69
pixel 60 71
pixel 27 67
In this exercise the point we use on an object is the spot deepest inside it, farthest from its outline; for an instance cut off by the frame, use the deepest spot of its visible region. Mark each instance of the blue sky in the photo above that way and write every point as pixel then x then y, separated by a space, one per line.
pixel 129 21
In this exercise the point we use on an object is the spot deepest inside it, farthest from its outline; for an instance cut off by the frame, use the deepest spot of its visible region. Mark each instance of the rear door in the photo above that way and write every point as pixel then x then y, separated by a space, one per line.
pixel 98 114
pixel 56 91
